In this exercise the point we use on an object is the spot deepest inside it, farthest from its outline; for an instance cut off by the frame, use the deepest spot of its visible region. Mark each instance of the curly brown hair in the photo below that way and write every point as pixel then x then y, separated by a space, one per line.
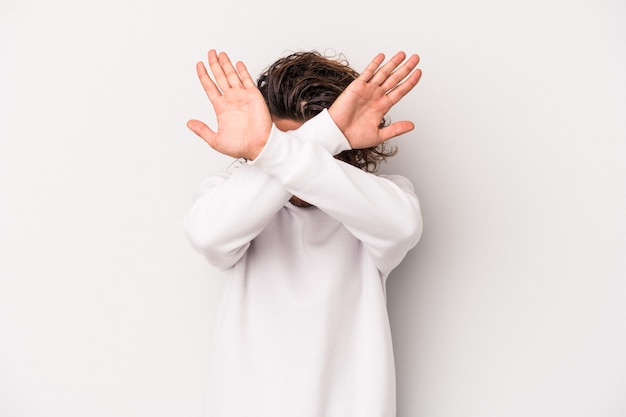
pixel 302 84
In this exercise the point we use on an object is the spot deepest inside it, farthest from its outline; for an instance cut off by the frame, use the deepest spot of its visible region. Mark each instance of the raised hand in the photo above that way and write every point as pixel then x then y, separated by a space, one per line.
pixel 359 110
pixel 243 120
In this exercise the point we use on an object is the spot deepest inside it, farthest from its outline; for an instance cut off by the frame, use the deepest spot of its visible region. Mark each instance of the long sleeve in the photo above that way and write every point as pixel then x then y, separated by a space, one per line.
pixel 382 212
pixel 232 208
pixel 305 299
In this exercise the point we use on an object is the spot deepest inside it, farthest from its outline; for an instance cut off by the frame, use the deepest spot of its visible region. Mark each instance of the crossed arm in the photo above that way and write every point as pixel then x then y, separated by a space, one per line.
pixel 384 214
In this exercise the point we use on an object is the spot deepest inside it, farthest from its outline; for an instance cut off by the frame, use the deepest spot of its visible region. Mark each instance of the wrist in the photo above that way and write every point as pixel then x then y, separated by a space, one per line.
pixel 323 130
pixel 255 147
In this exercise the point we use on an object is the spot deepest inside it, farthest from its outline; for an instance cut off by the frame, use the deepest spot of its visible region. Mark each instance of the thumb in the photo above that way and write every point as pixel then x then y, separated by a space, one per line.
pixel 396 129
pixel 202 130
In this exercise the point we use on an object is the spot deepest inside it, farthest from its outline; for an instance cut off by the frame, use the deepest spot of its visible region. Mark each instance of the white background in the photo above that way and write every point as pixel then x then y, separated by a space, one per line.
pixel 513 303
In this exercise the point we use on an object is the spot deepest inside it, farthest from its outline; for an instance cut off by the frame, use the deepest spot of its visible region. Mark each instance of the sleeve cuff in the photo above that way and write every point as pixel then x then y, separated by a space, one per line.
pixel 268 153
pixel 322 130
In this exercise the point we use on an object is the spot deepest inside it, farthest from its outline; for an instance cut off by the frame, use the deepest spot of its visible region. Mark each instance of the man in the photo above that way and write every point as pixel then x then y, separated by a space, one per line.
pixel 307 233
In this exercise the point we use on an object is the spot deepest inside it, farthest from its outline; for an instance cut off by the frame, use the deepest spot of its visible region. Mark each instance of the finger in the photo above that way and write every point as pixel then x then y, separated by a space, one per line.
pixel 395 129
pixel 396 94
pixel 217 70
pixel 232 75
pixel 207 83
pixel 202 130
pixel 246 78
pixel 369 71
pixel 383 72
pixel 401 72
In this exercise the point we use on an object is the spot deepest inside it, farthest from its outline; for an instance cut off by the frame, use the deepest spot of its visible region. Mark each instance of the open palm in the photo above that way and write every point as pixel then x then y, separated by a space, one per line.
pixel 243 120
pixel 359 110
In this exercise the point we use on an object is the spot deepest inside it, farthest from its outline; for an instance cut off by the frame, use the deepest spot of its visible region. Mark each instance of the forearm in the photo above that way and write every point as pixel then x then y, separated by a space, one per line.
pixel 382 213
pixel 230 210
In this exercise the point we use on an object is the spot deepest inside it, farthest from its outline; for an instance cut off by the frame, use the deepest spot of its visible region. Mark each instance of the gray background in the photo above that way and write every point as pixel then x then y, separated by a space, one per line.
pixel 511 305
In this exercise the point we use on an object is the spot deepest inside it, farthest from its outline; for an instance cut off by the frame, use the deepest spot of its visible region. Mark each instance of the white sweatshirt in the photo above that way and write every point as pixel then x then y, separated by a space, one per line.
pixel 303 329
